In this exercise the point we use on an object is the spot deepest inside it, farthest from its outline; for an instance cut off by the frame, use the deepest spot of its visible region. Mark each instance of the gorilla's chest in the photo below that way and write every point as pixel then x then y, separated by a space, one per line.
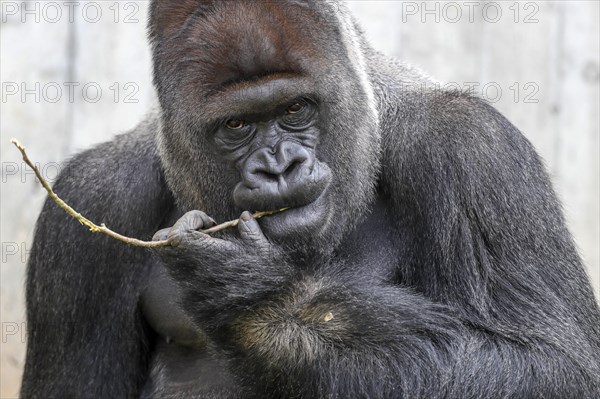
pixel 160 306
pixel 183 359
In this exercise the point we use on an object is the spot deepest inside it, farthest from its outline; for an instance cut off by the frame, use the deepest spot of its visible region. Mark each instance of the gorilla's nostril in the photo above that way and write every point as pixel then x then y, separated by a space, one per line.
pixel 275 174
pixel 292 168
pixel 266 176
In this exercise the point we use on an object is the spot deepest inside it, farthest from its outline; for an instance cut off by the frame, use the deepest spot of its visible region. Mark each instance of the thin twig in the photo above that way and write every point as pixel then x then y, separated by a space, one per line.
pixel 94 228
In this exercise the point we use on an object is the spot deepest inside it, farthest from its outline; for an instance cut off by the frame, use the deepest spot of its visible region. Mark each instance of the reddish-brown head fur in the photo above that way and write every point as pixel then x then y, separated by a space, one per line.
pixel 233 42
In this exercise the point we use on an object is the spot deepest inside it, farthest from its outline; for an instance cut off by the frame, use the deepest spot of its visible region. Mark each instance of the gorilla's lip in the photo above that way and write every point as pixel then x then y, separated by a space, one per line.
pixel 272 195
pixel 308 218
pixel 304 206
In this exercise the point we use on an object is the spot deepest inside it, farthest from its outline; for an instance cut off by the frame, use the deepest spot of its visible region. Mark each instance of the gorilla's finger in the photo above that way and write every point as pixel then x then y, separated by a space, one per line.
pixel 194 220
pixel 250 230
pixel 191 221
pixel 161 235
pixel 207 245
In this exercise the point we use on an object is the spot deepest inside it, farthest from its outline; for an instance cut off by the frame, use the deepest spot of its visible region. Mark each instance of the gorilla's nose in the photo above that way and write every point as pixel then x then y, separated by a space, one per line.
pixel 286 164
pixel 287 175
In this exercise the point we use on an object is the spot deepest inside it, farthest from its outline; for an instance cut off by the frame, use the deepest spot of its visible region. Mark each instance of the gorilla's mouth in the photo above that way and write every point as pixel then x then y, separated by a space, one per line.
pixel 306 197
pixel 277 193
pixel 308 218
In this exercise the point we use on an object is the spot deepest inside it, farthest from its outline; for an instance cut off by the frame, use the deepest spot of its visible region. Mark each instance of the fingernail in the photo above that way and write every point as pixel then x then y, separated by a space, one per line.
pixel 246 216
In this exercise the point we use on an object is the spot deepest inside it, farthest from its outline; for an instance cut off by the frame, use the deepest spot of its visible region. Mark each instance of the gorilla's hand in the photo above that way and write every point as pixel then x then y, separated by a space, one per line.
pixel 221 277
pixel 191 221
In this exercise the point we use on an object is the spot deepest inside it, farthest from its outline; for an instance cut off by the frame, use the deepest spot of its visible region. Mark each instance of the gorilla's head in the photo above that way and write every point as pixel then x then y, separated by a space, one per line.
pixel 266 105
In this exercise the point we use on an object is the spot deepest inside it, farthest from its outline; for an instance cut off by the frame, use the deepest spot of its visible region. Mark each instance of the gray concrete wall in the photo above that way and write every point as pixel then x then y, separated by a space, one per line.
pixel 538 62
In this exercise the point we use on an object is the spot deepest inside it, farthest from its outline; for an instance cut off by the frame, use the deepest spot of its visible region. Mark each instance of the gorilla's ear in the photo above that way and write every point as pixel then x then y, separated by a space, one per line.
pixel 168 16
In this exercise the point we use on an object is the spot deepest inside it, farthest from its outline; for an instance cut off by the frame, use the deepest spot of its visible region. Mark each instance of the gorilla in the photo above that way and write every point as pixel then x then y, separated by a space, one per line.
pixel 423 253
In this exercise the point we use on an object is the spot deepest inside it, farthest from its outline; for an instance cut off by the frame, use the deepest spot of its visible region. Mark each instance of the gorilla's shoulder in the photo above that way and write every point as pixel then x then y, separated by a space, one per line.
pixel 413 103
pixel 420 118
pixel 119 183
pixel 406 92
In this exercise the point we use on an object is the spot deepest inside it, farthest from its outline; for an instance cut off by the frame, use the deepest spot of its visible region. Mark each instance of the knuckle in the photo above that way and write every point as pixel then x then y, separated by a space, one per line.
pixel 254 236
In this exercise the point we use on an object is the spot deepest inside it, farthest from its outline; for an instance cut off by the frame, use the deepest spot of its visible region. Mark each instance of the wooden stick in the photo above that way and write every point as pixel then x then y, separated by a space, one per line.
pixel 94 228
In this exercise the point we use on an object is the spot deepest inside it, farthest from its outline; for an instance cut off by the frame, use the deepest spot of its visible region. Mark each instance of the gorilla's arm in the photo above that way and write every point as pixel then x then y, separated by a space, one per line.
pixel 332 331
pixel 86 334
pixel 486 236
pixel 485 227
pixel 327 339
pixel 334 335
pixel 337 337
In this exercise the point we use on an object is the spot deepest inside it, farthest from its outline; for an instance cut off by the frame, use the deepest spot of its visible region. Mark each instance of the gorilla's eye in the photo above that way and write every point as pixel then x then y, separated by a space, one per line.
pixel 299 115
pixel 235 124
pixel 295 108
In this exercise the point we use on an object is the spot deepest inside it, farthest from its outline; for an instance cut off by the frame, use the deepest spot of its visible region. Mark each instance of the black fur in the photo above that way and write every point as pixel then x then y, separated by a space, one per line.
pixel 441 269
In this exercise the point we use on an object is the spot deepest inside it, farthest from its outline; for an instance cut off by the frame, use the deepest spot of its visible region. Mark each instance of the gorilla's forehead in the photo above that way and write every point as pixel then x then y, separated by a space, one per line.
pixel 260 96
pixel 225 55
pixel 227 42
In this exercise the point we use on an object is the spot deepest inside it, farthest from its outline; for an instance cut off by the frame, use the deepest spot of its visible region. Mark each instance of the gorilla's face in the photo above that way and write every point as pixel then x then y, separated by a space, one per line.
pixel 274 151
pixel 266 105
